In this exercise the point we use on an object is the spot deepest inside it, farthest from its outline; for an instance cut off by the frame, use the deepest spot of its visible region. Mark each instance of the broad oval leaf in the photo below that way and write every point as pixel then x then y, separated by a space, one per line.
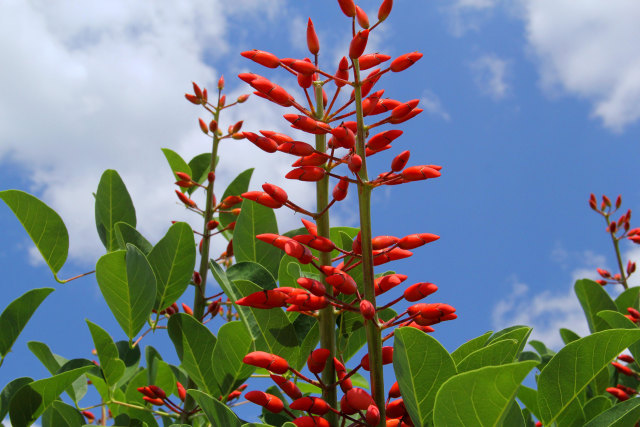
pixel 8 391
pixel 421 365
pixel 113 204
pixel 194 344
pixel 43 224
pixel 617 320
pixel 256 219
pixel 53 363
pixel 15 317
pixel 593 299
pixel 234 342
pixel 217 412
pixel 176 163
pixel 595 406
pixel 570 371
pixel 173 259
pixel 519 333
pixel 621 415
pixel 628 298
pixel 568 335
pixel 128 234
pixel 111 365
pixel 128 286
pixel 239 185
pixel 481 397
pixel 59 414
pixel 253 272
pixel 33 398
pixel 470 346
pixel 497 353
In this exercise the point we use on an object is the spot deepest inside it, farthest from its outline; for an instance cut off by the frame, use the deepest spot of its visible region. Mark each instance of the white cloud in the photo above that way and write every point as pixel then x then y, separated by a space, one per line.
pixel 490 74
pixel 432 104
pixel 468 15
pixel 101 87
pixel 548 311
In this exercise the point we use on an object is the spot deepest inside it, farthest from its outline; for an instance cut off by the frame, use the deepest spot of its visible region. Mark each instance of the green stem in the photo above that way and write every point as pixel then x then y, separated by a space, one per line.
pixel 616 246
pixel 199 300
pixel 327 317
pixel 374 338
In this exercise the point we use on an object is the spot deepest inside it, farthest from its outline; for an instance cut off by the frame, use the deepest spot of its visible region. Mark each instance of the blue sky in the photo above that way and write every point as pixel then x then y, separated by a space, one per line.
pixel 529 107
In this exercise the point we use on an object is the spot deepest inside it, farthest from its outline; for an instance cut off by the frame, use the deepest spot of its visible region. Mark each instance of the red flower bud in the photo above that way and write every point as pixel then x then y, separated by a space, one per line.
pixel 313 405
pixel 192 99
pixel 203 126
pixel 417 173
pixel 306 173
pixel 394 391
pixel 313 286
pixel 381 242
pixel 268 401
pixel 344 137
pixel 306 302
pixel 273 92
pixel 268 361
pixel 626 358
pixel 339 280
pixel 297 148
pixel 88 415
pixel 415 240
pixel 262 142
pixel 368 83
pixel 385 283
pixel 307 124
pixel 362 18
pixel 262 198
pixel 359 399
pixel 385 10
pixel 341 188
pixel 381 139
pixel 319 243
pixel 343 72
pixel 355 163
pixel 187 309
pixel 153 401
pixel 372 60
pixel 184 199
pixel 263 58
pixel 418 291
pixel 264 299
pixel 392 255
pixel 387 357
pixel 348 7
pixel 221 83
pixel 310 421
pixel 367 309
pixel 619 394
pixel 358 44
pixel 369 103
pixel 396 409
pixel 317 361
pixel 287 386
pixel 405 61
pixel 403 109
pixel 312 39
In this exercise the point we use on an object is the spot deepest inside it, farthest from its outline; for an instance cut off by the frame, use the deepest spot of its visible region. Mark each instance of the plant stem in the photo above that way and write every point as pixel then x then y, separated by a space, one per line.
pixel 199 300
pixel 374 338
pixel 326 318
pixel 616 246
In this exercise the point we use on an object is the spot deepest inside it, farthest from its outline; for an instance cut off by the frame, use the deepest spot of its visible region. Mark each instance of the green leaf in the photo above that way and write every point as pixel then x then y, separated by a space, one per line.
pixel 8 391
pixel 253 272
pixel 176 163
pixel 32 399
pixel 529 355
pixel 621 415
pixel 132 395
pixel 53 363
pixel 529 398
pixel 479 398
pixel 617 320
pixel 568 335
pixel 238 186
pixel 112 366
pixel 194 344
pixel 59 414
pixel 131 357
pixel 469 347
pixel 217 412
pixel 291 270
pixel 43 224
pixel 128 286
pixel 350 333
pixel 594 299
pixel 234 342
pixel 128 234
pixel 514 416
pixel 308 333
pixel 15 317
pixel 518 333
pixel 497 353
pixel 596 406
pixel 628 298
pixel 113 205
pixel 173 259
pixel 575 366
pixel 256 219
pixel 421 365
pixel 200 166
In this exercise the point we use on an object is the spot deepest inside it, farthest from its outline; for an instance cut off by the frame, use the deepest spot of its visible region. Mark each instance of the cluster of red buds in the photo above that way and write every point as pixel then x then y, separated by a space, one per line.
pixel 618 229
pixel 356 405
pixel 622 392
pixel 624 369
pixel 157 396
pixel 350 143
